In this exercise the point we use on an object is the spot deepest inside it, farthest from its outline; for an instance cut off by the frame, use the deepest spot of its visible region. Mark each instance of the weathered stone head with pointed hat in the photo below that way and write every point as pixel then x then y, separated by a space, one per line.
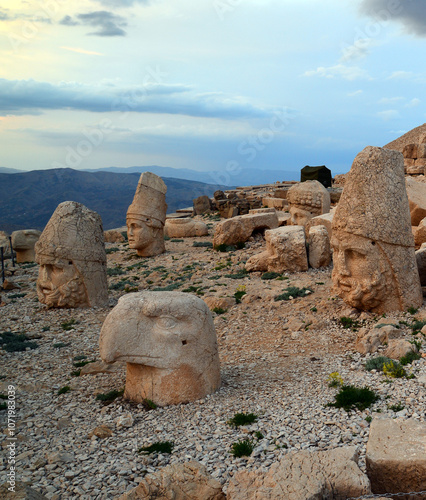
pixel 146 216
pixel 374 261
pixel 71 254
pixel 307 199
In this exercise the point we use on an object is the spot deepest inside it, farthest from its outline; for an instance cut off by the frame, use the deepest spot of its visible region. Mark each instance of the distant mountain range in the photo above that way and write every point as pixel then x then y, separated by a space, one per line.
pixel 245 177
pixel 28 199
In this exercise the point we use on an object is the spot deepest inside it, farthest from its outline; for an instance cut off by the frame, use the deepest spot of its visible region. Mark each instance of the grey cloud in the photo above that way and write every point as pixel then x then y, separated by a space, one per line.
pixel 68 21
pixel 107 23
pixel 121 3
pixel 410 13
pixel 21 97
pixel 4 16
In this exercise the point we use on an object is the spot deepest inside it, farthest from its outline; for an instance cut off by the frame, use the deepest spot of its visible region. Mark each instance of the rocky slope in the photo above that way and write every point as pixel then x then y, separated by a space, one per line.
pixel 276 358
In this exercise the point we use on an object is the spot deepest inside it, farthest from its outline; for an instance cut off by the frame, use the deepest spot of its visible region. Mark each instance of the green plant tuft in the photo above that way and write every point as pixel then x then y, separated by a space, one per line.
pixel 219 310
pixel 242 448
pixel 409 358
pixel 205 244
pixel 349 323
pixel 377 363
pixel 350 397
pixel 158 447
pixel 396 408
pixel 109 396
pixel 115 271
pixel 242 419
pixel 293 292
pixel 16 342
pixel 68 325
pixel 270 275
pixel 64 390
pixel 149 405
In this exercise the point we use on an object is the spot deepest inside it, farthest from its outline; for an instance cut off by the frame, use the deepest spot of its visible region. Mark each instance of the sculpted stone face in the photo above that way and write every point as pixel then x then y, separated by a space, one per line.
pixel 71 254
pixel 300 217
pixel 146 216
pixel 374 260
pixel 169 343
pixel 139 233
pixel 60 285
pixel 359 270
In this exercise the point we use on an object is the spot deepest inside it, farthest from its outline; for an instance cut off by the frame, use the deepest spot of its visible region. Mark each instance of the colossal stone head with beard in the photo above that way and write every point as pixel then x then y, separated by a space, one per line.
pixel 72 259
pixel 374 264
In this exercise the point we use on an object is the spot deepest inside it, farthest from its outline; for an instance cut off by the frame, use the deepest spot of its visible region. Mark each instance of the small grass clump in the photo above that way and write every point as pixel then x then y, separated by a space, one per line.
pixel 109 397
pixel 349 323
pixel 242 419
pixel 219 310
pixel 240 274
pixel 168 288
pixel 16 295
pixel 28 265
pixel 242 448
pixel 115 271
pixel 149 405
pixel 417 325
pixel 176 240
pixel 121 285
pixel 350 397
pixel 223 247
pixel 201 244
pixel 68 325
pixel 396 408
pixel 270 275
pixel 60 345
pixel 64 390
pixel 111 250
pixel 80 364
pixel 158 447
pixel 292 292
pixel 239 293
pixel 409 358
pixel 377 363
pixel 16 342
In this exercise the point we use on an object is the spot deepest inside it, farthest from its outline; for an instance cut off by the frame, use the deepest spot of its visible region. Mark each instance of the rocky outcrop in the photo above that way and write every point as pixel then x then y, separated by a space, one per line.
pixel 396 456
pixel 304 475
pixel 239 229
pixel 285 251
pixel 188 481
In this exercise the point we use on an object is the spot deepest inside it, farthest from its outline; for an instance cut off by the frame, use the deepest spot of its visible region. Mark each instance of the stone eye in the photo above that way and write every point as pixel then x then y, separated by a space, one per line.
pixel 166 322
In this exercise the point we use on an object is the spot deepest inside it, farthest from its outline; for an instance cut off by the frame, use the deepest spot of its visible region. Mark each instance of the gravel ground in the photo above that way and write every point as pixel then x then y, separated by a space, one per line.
pixel 276 357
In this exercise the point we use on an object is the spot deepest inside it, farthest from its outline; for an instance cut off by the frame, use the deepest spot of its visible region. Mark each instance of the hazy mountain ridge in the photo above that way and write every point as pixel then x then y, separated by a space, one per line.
pixel 28 199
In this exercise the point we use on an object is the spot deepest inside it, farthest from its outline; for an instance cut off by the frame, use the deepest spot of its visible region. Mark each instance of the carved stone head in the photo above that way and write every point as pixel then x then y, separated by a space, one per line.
pixel 71 254
pixel 146 216
pixel 307 199
pixel 169 343
pixel 23 242
pixel 374 260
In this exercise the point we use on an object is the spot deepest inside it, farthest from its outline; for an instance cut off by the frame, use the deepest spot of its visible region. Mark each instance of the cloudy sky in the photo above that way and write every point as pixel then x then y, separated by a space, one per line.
pixel 207 84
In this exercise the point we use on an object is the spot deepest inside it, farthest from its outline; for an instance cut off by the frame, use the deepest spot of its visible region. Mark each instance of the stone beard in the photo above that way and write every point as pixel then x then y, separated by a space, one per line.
pixel 361 273
pixel 60 284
